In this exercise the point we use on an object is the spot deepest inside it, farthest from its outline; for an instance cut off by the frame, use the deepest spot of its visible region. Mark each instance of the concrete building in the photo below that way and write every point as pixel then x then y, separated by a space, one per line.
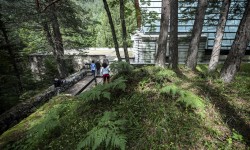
pixel 145 39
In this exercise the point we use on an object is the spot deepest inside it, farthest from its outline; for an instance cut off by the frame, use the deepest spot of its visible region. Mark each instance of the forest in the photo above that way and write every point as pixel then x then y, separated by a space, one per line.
pixel 164 105
pixel 49 27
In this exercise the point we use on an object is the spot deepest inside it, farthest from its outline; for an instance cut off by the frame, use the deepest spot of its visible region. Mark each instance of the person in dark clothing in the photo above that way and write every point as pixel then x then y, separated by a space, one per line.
pixel 98 67
pixel 57 82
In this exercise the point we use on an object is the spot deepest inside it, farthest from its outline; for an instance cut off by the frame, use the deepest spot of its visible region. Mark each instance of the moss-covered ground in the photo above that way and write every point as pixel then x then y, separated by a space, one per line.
pixel 161 109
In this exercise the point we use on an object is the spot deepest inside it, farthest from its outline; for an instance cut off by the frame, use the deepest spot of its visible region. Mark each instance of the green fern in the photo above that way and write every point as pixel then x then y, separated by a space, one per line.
pixel 107 132
pixel 171 89
pixel 187 98
pixel 117 84
pixel 191 100
pixel 103 91
pixel 121 67
pixel 165 73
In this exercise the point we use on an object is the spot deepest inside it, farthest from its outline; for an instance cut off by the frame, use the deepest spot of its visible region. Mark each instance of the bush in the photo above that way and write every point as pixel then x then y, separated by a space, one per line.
pixel 121 68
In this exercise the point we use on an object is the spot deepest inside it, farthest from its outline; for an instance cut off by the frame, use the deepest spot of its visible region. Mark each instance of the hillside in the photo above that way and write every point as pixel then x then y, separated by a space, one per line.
pixel 143 108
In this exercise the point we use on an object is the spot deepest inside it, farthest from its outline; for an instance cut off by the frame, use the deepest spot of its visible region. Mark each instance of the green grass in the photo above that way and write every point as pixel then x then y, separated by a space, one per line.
pixel 158 109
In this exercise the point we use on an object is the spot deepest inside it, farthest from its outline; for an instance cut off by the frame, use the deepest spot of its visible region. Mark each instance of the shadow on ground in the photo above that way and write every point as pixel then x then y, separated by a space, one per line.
pixel 228 112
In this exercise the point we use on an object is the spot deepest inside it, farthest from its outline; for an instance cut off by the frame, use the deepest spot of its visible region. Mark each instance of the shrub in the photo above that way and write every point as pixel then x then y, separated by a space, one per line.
pixel 121 68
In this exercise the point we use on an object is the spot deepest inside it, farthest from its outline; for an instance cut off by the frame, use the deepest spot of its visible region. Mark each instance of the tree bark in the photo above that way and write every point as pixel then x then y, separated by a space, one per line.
pixel 124 31
pixel 219 35
pixel 238 49
pixel 59 51
pixel 54 41
pixel 46 29
pixel 12 56
pixel 173 41
pixel 191 61
pixel 160 59
pixel 138 14
pixel 106 7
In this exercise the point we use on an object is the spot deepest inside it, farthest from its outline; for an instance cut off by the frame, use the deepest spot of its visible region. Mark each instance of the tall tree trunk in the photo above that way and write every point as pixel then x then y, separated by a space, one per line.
pixel 160 58
pixel 124 31
pixel 238 49
pixel 173 41
pixel 49 37
pixel 46 28
pixel 112 30
pixel 56 41
pixel 219 35
pixel 59 51
pixel 138 14
pixel 12 56
pixel 191 61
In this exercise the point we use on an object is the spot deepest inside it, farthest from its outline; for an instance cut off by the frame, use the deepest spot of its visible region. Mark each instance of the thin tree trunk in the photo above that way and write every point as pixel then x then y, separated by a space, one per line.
pixel 173 42
pixel 124 31
pixel 138 14
pixel 160 59
pixel 238 49
pixel 112 30
pixel 219 35
pixel 12 57
pixel 191 61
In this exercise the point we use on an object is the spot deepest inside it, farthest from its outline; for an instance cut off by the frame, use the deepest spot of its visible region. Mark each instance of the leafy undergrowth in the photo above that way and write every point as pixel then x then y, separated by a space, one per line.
pixel 147 108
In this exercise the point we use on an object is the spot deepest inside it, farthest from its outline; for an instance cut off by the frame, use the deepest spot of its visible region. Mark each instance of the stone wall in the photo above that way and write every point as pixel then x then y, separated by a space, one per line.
pixel 24 109
pixel 77 62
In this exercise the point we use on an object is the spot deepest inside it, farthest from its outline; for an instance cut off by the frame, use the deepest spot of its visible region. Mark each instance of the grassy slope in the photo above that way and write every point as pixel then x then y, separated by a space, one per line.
pixel 214 116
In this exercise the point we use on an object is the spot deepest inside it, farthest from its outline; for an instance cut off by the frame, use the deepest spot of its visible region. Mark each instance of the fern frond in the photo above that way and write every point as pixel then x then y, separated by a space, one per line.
pixel 107 131
pixel 103 91
pixel 166 73
pixel 118 84
pixel 192 100
pixel 119 141
pixel 100 136
pixel 85 143
pixel 171 90
pixel 182 93
pixel 106 95
pixel 91 95
pixel 187 98
pixel 108 141
pixel 107 116
pixel 119 122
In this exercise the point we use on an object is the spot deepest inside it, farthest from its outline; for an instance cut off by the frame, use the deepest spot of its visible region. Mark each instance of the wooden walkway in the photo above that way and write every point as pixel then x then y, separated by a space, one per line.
pixel 92 84
pixel 86 83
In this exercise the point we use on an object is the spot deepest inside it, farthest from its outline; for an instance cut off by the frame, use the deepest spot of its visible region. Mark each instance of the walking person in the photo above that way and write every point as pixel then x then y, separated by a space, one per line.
pixel 98 68
pixel 105 73
pixel 105 60
pixel 93 67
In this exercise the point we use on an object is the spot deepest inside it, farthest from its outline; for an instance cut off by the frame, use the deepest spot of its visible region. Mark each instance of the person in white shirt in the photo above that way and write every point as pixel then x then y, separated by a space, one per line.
pixel 105 73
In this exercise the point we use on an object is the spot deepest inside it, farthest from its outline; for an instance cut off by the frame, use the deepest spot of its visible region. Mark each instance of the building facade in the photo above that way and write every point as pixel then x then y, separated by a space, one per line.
pixel 145 39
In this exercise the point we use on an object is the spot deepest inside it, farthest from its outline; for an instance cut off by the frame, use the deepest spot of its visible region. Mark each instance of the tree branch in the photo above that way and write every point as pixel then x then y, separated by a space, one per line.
pixel 55 1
